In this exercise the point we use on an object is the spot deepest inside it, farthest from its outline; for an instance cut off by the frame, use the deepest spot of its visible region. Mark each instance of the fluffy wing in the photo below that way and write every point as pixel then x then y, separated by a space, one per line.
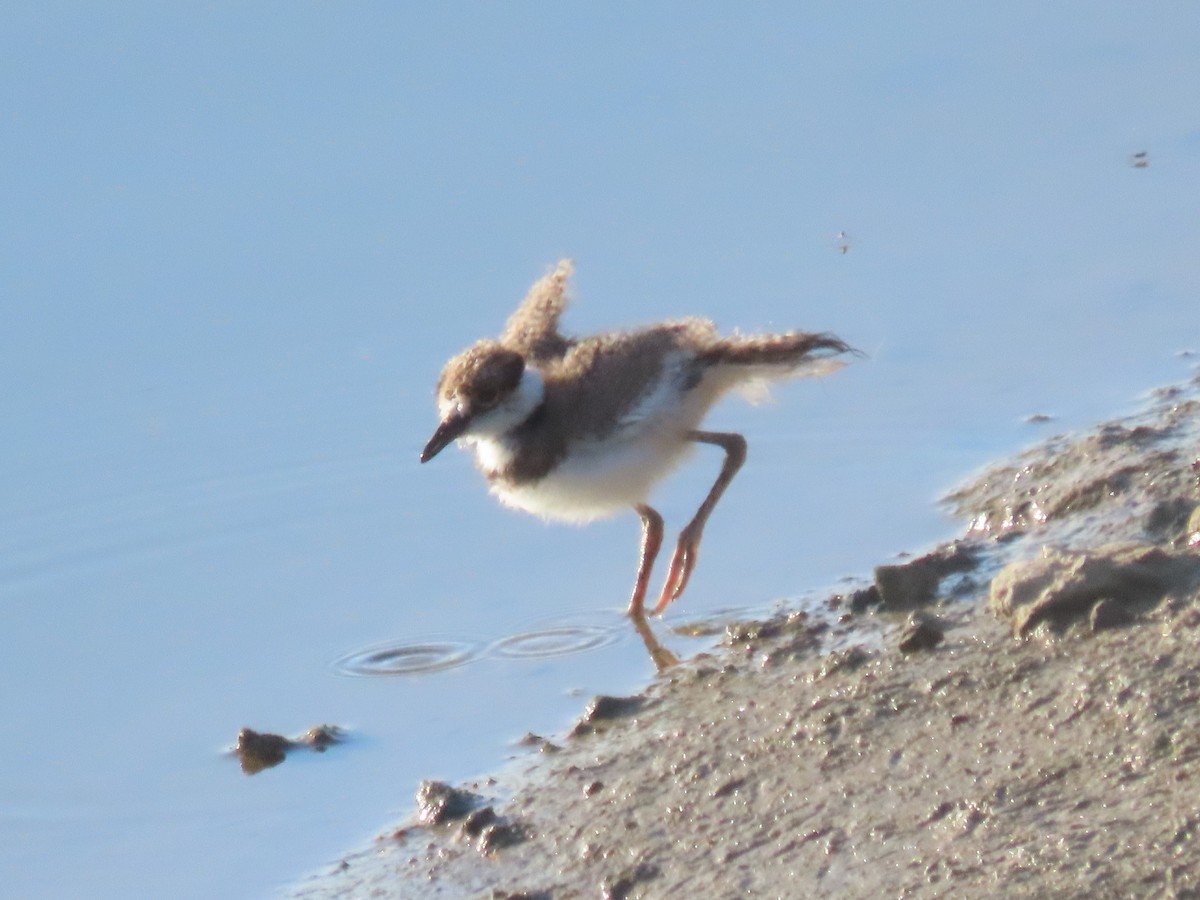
pixel 533 329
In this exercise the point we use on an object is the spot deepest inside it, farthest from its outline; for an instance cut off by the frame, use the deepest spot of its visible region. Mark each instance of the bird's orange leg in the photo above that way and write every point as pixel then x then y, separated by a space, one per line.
pixel 686 551
pixel 652 532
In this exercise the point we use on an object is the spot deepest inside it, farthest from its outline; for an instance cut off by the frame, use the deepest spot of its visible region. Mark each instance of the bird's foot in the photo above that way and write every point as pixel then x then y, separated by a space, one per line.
pixel 682 563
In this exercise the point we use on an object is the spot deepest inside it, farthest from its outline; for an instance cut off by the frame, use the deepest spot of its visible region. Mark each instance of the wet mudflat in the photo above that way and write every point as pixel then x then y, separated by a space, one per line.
pixel 1013 712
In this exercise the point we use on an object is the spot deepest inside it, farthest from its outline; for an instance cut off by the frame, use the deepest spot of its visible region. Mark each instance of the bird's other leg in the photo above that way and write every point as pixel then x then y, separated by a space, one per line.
pixel 688 547
pixel 652 532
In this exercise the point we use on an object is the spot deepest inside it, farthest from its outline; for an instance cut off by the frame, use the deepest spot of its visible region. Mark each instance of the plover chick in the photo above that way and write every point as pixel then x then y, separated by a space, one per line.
pixel 576 429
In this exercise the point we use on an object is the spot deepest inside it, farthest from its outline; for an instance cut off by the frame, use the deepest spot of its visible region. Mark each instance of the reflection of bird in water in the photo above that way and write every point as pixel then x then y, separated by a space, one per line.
pixel 662 658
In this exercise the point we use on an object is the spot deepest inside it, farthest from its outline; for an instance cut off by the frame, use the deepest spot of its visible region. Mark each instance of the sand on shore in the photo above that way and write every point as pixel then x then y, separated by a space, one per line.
pixel 1037 735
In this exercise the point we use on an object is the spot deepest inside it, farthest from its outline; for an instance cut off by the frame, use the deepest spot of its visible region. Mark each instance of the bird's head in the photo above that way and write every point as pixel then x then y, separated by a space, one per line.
pixel 483 392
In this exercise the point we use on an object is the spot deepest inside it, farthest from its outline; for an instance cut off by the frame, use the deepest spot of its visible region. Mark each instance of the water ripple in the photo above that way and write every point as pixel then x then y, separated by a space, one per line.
pixel 556 640
pixel 418 657
pixel 422 656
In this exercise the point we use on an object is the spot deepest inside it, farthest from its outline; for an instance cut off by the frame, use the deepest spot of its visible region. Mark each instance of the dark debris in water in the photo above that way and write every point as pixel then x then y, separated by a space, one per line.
pixel 323 737
pixel 259 750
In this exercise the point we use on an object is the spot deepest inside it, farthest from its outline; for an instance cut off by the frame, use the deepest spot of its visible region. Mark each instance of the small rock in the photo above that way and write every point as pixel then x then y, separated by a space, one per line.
pixel 915 583
pixel 500 834
pixel 605 708
pixel 438 802
pixel 906 585
pixel 477 820
pixel 1064 584
pixel 864 598
pixel 538 743
pixel 921 634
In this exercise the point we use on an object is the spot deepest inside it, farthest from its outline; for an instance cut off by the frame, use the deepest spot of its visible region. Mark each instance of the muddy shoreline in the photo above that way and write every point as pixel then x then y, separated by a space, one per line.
pixel 1014 713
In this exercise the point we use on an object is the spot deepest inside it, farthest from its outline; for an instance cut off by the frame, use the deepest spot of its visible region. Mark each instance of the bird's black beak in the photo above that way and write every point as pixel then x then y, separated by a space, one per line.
pixel 450 429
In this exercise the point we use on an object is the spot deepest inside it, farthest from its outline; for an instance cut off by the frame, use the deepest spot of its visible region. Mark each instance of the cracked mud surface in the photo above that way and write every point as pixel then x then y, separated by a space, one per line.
pixel 1065 762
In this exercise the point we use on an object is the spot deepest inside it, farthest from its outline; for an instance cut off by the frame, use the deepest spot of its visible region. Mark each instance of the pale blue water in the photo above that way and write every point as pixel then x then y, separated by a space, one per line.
pixel 239 243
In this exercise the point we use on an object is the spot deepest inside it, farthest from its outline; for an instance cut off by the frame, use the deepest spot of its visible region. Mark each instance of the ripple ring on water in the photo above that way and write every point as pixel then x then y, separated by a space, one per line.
pixel 418 657
pixel 556 640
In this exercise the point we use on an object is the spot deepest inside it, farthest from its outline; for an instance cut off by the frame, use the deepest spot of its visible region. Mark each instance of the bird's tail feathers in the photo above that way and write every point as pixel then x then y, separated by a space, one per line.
pixel 749 363
pixel 782 350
